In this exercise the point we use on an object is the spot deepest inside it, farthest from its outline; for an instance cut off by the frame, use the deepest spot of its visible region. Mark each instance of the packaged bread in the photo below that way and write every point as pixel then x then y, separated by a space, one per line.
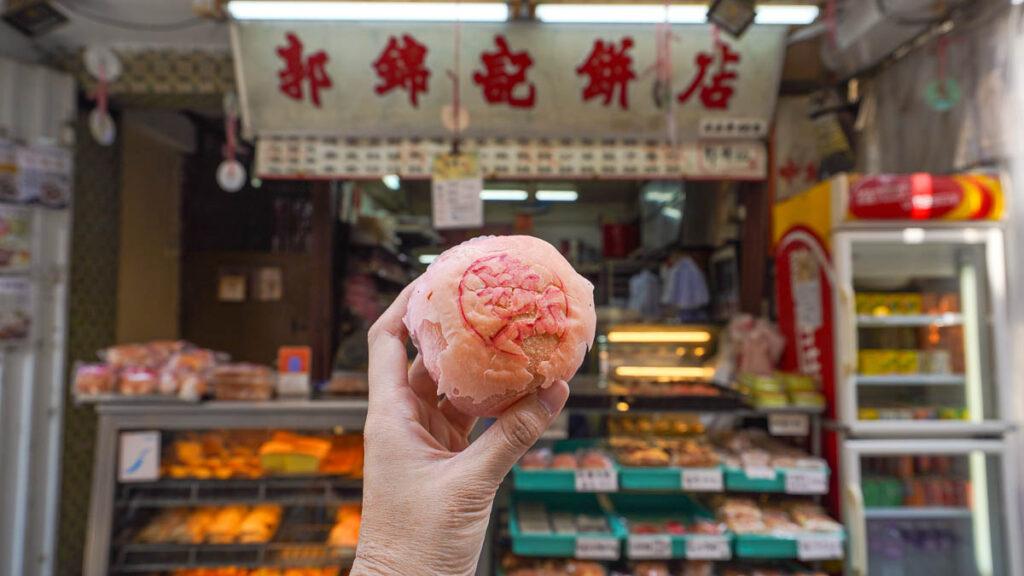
pixel 244 382
pixel 92 379
pixel 812 517
pixel 138 382
pixel 129 356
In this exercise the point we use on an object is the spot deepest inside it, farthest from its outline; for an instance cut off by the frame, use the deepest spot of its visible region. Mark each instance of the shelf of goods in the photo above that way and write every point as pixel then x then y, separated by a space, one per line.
pixel 233 488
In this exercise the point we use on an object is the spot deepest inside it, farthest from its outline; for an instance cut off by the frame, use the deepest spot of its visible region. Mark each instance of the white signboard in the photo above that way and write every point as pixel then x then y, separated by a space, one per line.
pixel 390 79
pixel 455 191
pixel 597 480
pixel 139 457
pixel 702 480
pixel 597 548
pixel 649 547
pixel 789 424
pixel 708 548
pixel 819 547
pixel 806 481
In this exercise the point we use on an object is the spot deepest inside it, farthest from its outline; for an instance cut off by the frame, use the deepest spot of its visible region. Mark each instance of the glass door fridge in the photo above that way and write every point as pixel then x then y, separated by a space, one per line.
pixel 930 508
pixel 920 313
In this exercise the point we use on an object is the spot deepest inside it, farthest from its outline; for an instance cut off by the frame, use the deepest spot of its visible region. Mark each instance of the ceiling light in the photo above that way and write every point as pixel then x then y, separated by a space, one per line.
pixel 785 14
pixel 504 195
pixel 427 258
pixel 392 181
pixel 665 371
pixel 788 14
pixel 621 13
pixel 556 195
pixel 403 11
pixel 661 337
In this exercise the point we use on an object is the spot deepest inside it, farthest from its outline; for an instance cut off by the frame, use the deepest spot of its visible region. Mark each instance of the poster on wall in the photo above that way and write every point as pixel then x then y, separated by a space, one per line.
pixel 796 156
pixel 455 192
pixel 517 79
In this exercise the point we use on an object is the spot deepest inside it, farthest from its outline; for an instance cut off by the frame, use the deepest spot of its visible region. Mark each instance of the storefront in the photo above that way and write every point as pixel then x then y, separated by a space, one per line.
pixel 795 372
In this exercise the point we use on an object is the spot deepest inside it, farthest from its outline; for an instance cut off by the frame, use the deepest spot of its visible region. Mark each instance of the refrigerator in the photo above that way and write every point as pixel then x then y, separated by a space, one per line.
pixel 891 290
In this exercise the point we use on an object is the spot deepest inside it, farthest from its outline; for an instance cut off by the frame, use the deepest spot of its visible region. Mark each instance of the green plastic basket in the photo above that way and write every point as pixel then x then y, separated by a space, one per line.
pixel 736 480
pixel 559 545
pixel 767 547
pixel 554 480
pixel 667 479
pixel 648 507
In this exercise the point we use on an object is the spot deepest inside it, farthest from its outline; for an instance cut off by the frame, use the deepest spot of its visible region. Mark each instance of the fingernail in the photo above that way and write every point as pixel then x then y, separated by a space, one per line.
pixel 553 397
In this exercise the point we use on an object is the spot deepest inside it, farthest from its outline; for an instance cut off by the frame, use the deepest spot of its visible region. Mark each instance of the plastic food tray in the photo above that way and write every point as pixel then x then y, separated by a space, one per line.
pixel 559 545
pixel 656 478
pixel 768 547
pixel 736 480
pixel 555 480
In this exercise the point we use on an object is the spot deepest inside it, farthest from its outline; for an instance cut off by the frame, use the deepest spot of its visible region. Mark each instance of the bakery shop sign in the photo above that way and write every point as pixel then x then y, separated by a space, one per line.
pixel 514 79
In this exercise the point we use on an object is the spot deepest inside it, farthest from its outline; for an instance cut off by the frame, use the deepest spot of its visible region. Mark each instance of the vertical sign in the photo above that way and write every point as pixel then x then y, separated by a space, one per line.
pixel 455 191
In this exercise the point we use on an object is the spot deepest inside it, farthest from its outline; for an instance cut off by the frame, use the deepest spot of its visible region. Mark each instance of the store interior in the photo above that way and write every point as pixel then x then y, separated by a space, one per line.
pixel 803 363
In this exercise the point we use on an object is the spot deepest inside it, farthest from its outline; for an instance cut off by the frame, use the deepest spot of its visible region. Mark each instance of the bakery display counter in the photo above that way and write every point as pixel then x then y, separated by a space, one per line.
pixel 226 487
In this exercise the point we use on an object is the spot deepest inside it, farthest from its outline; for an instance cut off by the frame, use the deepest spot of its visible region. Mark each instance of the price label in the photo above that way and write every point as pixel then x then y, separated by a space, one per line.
pixel 597 481
pixel 139 457
pixel 597 548
pixel 708 548
pixel 819 548
pixel 652 547
pixel 806 482
pixel 789 424
pixel 759 472
pixel 702 480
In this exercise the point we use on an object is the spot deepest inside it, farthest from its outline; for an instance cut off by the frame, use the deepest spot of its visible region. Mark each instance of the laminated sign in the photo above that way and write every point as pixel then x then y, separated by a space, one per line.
pixel 455 191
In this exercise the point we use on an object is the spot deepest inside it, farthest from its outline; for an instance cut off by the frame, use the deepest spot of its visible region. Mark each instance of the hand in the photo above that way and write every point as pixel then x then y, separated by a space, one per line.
pixel 427 493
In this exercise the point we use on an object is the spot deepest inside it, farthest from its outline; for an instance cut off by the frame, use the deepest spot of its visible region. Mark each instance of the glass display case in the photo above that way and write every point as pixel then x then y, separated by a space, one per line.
pixel 923 507
pixel 919 313
pixel 244 488
pixel 658 359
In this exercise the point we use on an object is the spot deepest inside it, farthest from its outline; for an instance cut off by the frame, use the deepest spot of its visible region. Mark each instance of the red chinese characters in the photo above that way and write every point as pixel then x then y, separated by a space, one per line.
pixel 402 65
pixel 298 70
pixel 717 92
pixel 608 68
pixel 503 78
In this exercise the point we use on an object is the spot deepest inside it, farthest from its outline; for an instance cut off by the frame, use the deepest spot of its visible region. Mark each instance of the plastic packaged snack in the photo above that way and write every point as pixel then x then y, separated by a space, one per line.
pixel 246 382
pixel 564 461
pixel 138 382
pixel 129 356
pixel 812 518
pixel 92 379
pixel 595 460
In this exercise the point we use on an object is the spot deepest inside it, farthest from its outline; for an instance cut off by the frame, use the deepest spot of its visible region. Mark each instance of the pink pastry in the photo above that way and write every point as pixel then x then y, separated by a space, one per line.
pixel 498 317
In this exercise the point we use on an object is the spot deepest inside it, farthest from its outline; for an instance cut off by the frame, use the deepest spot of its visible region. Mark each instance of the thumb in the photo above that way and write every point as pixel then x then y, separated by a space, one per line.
pixel 514 432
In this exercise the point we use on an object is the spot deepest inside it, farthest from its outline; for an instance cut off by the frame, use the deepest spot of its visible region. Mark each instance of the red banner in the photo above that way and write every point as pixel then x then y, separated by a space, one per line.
pixel 925 197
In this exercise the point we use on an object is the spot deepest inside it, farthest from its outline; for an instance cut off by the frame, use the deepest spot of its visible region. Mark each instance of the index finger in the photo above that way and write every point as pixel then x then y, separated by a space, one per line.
pixel 388 365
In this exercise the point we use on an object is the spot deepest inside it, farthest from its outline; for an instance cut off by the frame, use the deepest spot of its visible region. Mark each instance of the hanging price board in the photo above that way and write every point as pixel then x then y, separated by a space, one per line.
pixel 806 481
pixel 708 548
pixel 819 547
pixel 649 547
pixel 597 480
pixel 455 191
pixel 596 548
pixel 702 480
pixel 789 424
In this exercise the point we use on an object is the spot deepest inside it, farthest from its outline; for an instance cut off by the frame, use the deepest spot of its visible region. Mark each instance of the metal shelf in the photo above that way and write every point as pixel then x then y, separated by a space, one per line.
pixel 907 320
pixel 148 558
pixel 940 513
pixel 285 491
pixel 911 380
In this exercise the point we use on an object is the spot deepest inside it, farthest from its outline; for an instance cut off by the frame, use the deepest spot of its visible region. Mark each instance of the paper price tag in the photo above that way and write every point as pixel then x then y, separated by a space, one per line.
pixel 789 424
pixel 649 547
pixel 819 548
pixel 759 472
pixel 708 548
pixel 702 480
pixel 597 481
pixel 806 482
pixel 139 457
pixel 597 548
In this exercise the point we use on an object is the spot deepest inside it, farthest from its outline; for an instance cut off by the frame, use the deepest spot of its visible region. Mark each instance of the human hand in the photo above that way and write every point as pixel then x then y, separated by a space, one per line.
pixel 427 492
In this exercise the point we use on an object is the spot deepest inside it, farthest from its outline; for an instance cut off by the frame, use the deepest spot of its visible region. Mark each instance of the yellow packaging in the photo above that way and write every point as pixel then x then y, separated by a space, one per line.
pixel 907 362
pixel 862 301
pixel 913 304
pixel 877 362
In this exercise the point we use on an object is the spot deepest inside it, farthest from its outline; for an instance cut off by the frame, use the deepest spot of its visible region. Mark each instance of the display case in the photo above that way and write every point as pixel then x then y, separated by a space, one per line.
pixel 260 485
pixel 924 507
pixel 920 315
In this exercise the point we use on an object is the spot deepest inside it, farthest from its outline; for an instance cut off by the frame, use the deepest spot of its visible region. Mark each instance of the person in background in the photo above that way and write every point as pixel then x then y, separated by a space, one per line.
pixel 428 492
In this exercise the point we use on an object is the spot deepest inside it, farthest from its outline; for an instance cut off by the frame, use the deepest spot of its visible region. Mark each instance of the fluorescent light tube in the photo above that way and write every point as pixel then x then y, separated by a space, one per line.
pixel 427 258
pixel 665 371
pixel 788 14
pixel 505 195
pixel 689 336
pixel 401 11
pixel 622 13
pixel 791 14
pixel 556 195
